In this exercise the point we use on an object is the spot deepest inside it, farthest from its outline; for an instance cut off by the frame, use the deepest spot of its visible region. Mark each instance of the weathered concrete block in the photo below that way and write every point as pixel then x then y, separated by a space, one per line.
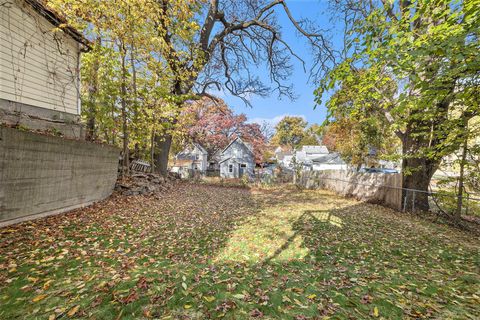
pixel 41 174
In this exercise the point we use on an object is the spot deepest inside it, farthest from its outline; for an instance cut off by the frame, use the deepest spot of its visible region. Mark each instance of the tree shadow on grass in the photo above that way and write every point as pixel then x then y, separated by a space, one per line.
pixel 308 221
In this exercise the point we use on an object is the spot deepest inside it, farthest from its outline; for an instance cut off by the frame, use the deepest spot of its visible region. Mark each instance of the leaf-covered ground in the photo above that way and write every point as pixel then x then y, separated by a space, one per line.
pixel 201 252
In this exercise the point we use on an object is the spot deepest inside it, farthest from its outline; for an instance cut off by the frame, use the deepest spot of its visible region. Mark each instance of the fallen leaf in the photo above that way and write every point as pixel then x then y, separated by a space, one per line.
pixel 375 312
pixel 39 298
pixel 46 285
pixel 256 313
pixel 72 311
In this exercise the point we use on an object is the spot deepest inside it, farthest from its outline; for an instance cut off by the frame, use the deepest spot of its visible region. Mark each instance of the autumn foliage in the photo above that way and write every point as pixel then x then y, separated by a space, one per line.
pixel 214 125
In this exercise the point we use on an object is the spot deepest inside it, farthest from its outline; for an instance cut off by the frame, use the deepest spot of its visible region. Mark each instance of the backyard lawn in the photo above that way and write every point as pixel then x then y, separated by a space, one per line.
pixel 200 252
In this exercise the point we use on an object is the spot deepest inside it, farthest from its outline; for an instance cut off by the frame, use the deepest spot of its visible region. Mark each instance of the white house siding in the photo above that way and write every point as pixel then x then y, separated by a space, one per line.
pixel 193 158
pixel 235 155
pixel 39 67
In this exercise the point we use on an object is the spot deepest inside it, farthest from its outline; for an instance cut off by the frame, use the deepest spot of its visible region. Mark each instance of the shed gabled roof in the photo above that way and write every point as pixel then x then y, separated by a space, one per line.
pixel 202 149
pixel 55 18
pixel 248 146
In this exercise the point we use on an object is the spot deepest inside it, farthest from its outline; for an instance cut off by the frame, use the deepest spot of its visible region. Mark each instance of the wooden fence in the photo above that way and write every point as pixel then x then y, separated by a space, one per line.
pixel 371 187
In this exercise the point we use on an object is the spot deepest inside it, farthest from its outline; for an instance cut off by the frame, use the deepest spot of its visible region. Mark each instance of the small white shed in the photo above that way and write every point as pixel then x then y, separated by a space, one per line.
pixel 237 160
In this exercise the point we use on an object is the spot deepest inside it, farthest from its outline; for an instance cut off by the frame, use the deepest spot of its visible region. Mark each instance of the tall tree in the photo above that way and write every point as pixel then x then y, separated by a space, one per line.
pixel 124 75
pixel 233 38
pixel 293 132
pixel 202 46
pixel 214 125
pixel 429 50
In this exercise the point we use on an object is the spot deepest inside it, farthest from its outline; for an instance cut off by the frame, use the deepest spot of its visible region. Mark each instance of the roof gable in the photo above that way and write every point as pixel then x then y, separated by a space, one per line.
pixel 189 152
pixel 199 147
pixel 238 140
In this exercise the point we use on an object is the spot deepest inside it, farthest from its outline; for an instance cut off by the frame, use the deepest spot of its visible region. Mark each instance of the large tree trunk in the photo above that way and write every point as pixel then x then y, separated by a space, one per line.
pixel 161 153
pixel 417 173
pixel 163 141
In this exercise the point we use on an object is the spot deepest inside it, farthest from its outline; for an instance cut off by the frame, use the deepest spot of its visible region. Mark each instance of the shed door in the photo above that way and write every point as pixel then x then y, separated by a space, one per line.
pixel 241 169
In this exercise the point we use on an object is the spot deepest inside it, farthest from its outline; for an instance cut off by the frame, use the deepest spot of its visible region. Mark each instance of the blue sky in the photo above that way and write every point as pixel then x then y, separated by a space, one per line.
pixel 272 109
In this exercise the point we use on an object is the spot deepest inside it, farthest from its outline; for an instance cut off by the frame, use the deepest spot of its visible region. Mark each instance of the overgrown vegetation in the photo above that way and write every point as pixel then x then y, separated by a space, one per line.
pixel 412 66
pixel 150 57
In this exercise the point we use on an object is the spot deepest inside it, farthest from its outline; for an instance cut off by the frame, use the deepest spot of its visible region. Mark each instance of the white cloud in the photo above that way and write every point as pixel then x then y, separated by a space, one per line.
pixel 275 120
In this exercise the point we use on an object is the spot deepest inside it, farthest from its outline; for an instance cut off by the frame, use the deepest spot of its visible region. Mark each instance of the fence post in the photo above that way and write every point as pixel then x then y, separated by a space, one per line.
pixel 466 204
pixel 413 201
pixel 405 201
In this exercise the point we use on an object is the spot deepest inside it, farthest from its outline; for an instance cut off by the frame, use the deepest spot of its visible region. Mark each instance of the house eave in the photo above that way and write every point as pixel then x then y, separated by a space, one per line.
pixel 59 21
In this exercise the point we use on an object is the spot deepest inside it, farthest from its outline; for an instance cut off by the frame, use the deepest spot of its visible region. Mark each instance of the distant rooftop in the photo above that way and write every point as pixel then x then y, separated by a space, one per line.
pixel 332 158
pixel 315 149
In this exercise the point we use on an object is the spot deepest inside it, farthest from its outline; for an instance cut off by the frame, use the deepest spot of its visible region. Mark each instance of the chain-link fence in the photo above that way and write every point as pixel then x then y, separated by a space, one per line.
pixel 386 189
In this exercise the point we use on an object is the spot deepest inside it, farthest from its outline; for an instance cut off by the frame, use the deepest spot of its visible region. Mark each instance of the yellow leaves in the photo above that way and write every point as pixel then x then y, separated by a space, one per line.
pixel 300 304
pixel 376 314
pixel 72 311
pixel 39 298
pixel 47 259
pixel 312 296
pixel 209 298
pixel 239 296
pixel 47 284
pixel 187 306
pixel 13 267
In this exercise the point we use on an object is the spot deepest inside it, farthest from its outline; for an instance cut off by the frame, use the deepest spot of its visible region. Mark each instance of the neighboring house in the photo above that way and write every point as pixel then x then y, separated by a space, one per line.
pixel 284 156
pixel 307 153
pixel 39 68
pixel 311 158
pixel 190 160
pixel 331 161
pixel 237 160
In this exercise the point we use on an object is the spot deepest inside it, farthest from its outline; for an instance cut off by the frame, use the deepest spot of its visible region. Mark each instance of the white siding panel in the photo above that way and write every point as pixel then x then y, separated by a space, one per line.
pixel 46 98
pixel 15 49
pixel 37 66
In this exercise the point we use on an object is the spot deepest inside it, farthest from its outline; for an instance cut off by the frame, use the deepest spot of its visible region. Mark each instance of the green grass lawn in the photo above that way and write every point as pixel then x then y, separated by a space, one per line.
pixel 201 252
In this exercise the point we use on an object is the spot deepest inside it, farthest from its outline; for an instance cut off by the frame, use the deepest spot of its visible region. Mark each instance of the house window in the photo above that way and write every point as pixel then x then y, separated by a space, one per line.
pixel 243 165
pixel 230 168
pixel 197 157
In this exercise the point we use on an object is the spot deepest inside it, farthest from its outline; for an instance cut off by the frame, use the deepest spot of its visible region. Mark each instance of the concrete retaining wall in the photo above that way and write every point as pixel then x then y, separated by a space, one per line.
pixel 371 187
pixel 42 174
